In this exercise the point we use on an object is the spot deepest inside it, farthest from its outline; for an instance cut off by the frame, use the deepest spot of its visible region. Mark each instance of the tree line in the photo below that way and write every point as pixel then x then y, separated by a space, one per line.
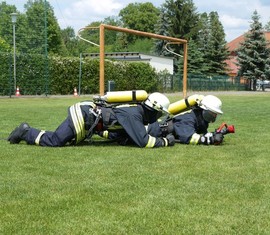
pixel 207 50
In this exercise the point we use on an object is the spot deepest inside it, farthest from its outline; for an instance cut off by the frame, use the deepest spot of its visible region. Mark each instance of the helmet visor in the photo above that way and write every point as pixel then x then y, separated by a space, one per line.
pixel 209 116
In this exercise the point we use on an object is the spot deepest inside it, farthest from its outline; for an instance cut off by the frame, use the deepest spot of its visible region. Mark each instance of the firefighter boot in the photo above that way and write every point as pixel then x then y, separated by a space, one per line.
pixel 19 133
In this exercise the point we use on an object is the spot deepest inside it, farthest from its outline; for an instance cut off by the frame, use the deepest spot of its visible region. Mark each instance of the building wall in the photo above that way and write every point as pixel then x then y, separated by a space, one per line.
pixel 159 63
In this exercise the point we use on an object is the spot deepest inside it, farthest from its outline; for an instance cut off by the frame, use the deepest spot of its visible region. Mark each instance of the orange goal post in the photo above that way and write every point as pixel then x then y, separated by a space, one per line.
pixel 101 45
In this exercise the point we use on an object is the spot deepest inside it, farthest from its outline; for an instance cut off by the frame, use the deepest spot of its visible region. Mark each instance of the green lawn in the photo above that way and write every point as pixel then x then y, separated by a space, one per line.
pixel 111 189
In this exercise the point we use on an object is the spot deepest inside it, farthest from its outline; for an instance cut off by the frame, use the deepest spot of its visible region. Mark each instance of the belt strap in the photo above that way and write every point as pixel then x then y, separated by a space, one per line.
pixel 97 113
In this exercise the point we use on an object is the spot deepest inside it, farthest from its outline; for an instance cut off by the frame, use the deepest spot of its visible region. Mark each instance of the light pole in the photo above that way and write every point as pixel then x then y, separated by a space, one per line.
pixel 13 20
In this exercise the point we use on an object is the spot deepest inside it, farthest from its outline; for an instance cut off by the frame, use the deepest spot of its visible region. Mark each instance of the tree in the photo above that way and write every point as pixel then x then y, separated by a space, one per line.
pixel 30 28
pixel 143 45
pixel 92 35
pixel 267 26
pixel 6 24
pixel 139 16
pixel 178 19
pixel 4 46
pixel 71 42
pixel 253 55
pixel 183 18
pixel 111 35
pixel 216 51
pixel 196 63
pixel 212 44
pixel 162 27
pixel 202 41
pixel 37 11
pixel 205 34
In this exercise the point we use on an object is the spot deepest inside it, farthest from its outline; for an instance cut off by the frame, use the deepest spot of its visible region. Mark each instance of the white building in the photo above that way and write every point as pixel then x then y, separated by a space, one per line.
pixel 160 63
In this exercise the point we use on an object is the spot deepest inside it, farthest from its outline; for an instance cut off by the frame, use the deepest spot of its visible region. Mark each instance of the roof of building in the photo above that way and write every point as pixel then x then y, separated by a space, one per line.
pixel 131 56
pixel 234 44
pixel 127 56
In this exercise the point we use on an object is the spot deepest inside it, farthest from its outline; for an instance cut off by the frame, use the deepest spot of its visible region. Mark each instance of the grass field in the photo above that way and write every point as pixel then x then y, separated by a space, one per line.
pixel 111 189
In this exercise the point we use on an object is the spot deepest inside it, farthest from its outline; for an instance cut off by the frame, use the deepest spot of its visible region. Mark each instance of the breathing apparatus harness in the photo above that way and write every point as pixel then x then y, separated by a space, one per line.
pixel 99 118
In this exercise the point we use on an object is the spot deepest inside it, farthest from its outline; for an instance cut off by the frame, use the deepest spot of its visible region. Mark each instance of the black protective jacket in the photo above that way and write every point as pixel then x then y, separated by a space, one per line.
pixel 187 126
pixel 131 118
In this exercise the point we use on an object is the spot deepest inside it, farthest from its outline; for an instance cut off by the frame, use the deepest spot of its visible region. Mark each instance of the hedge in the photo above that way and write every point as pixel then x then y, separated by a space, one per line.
pixel 36 75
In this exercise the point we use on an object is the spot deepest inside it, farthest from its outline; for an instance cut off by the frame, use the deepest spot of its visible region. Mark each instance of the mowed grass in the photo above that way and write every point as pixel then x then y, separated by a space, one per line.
pixel 109 189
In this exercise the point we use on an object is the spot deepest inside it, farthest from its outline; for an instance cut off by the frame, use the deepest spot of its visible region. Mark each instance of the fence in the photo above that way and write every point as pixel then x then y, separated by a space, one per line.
pixel 217 83
pixel 201 83
pixel 31 74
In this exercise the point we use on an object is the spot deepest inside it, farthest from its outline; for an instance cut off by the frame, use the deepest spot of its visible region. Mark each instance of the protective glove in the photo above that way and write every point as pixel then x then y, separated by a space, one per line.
pixel 169 140
pixel 217 138
pixel 167 128
pixel 207 139
pixel 211 138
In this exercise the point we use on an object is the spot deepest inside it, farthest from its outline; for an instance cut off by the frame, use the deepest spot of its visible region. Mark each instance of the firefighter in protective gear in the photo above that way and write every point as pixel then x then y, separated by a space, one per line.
pixel 190 127
pixel 88 118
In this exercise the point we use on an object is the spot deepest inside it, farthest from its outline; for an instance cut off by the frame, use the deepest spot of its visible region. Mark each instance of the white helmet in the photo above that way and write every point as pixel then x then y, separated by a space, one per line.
pixel 158 102
pixel 211 103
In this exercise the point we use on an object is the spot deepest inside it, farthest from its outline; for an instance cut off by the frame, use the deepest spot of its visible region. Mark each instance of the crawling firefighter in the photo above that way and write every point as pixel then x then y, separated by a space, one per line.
pixel 88 118
pixel 191 126
pixel 188 121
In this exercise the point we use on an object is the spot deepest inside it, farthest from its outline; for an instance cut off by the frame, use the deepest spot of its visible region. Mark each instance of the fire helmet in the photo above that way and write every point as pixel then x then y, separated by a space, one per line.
pixel 158 102
pixel 211 106
pixel 211 103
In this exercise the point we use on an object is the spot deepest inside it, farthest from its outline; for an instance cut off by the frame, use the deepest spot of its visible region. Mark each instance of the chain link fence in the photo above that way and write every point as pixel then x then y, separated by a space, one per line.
pixel 31 75
pixel 172 83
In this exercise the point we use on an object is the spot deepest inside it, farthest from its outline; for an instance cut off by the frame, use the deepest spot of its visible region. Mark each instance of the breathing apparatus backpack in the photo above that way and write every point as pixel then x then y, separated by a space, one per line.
pixel 114 98
pixel 185 104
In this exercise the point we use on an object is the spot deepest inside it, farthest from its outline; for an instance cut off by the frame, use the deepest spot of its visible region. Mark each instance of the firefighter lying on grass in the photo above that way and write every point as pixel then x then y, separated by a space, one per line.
pixel 190 126
pixel 87 118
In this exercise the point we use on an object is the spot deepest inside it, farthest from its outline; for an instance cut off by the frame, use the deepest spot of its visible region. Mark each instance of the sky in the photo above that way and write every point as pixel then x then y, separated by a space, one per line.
pixel 235 15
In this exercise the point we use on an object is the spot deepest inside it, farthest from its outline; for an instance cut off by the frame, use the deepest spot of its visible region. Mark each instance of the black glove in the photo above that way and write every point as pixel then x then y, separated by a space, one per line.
pixel 207 139
pixel 170 127
pixel 170 140
pixel 217 138
pixel 167 128
pixel 211 138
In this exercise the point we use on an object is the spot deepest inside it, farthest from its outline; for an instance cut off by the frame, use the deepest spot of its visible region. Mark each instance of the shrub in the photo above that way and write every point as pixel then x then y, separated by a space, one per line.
pixel 37 74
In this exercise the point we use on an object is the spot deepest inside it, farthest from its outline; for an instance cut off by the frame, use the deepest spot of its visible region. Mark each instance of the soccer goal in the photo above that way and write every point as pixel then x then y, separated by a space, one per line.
pixel 103 27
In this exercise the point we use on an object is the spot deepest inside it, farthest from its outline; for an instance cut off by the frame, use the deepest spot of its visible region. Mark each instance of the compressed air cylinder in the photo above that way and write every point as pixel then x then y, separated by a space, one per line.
pixel 125 96
pixel 184 104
